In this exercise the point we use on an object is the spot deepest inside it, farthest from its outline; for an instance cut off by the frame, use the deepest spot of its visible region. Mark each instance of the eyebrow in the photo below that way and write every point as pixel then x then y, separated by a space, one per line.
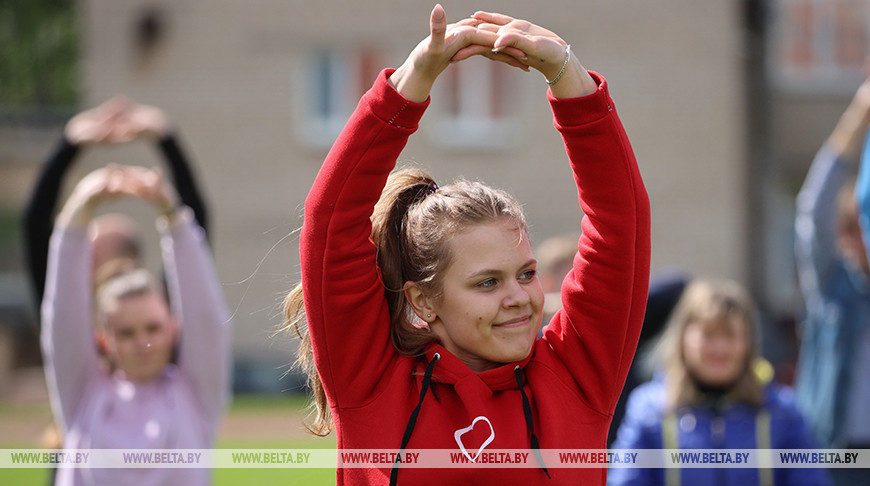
pixel 492 271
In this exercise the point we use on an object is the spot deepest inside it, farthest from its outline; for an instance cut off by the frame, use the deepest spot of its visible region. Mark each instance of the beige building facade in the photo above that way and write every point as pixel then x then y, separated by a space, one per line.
pixel 258 90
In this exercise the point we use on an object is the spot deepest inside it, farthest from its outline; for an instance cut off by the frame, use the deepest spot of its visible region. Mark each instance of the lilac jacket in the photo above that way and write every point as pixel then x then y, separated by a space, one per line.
pixel 97 410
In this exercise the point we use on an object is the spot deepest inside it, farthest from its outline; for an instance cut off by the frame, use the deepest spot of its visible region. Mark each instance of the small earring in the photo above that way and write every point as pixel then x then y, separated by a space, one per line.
pixel 428 316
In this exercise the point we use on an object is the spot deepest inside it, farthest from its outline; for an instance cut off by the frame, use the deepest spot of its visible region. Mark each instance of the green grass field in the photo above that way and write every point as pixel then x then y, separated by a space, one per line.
pixel 247 416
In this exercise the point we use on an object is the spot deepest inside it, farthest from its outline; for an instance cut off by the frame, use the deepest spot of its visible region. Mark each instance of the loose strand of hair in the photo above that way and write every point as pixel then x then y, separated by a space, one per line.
pixel 322 422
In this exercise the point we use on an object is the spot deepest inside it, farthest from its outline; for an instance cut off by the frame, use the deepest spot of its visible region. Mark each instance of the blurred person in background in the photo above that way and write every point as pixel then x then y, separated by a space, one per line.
pixel 117 121
pixel 833 368
pixel 555 259
pixel 665 289
pixel 713 391
pixel 108 351
pixel 114 236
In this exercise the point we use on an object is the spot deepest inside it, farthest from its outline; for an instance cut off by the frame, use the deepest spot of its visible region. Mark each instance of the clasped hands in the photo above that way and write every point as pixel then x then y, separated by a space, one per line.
pixel 499 37
pixel 112 182
pixel 118 120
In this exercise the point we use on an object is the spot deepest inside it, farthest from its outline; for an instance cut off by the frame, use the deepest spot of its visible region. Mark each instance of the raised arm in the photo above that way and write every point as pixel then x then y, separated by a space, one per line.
pixel 862 195
pixel 90 127
pixel 184 178
pixel 115 121
pixel 39 213
pixel 604 297
pixel 346 311
pixel 817 202
pixel 141 121
pixel 196 298
pixel 67 335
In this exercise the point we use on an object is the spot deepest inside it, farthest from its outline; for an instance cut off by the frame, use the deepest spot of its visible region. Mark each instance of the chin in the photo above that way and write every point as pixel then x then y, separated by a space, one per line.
pixel 518 355
pixel 720 380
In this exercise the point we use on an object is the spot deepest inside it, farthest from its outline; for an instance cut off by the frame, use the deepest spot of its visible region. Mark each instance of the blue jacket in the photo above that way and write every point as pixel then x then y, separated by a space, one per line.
pixel 836 297
pixel 642 429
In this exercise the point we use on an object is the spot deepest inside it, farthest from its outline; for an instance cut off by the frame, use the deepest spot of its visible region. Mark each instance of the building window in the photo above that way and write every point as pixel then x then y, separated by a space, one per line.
pixel 327 91
pixel 471 106
pixel 819 45
pixel 470 109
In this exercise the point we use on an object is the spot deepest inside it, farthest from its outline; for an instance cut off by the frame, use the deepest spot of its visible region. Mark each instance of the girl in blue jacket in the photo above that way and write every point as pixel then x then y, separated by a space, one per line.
pixel 708 395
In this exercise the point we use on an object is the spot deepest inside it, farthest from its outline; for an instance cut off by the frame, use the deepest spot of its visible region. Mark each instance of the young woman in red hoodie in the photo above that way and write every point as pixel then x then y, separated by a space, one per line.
pixel 421 302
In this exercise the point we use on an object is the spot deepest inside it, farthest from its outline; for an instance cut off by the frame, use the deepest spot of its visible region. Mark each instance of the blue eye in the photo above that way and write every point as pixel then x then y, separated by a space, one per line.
pixel 528 275
pixel 488 283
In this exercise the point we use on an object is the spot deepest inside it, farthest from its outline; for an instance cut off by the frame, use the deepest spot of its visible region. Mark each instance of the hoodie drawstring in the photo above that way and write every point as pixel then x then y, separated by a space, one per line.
pixel 527 411
pixel 412 421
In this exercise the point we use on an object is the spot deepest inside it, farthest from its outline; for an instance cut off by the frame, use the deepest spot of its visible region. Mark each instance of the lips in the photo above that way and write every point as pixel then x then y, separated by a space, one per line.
pixel 518 322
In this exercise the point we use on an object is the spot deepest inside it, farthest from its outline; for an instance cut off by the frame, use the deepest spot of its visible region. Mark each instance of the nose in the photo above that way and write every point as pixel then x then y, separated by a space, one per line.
pixel 516 295
pixel 720 347
pixel 143 341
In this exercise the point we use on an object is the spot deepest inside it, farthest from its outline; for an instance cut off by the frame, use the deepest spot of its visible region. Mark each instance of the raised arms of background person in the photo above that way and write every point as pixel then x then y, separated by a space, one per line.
pixel 118 120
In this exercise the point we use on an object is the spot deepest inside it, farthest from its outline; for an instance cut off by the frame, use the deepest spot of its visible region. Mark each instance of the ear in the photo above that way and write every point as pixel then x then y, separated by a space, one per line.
pixel 421 304
pixel 101 339
pixel 174 328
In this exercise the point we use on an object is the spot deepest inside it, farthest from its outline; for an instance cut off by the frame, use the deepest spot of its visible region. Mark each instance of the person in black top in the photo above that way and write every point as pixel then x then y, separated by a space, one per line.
pixel 118 120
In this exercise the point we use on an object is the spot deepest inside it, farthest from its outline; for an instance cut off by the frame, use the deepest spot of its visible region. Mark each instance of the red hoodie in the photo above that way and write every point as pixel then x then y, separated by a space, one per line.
pixel 575 372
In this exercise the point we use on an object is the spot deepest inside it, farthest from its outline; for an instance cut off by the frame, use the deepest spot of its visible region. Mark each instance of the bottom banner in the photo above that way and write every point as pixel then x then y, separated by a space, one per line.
pixel 435 458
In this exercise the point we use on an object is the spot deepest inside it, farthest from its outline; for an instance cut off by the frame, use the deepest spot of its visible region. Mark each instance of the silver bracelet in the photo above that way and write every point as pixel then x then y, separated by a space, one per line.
pixel 564 66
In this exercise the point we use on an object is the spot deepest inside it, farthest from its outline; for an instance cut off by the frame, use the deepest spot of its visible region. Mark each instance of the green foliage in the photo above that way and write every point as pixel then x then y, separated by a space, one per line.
pixel 38 53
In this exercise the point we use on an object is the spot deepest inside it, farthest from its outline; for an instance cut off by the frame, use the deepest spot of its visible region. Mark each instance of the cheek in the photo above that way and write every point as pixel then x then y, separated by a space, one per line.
pixel 169 339
pixel 691 346
pixel 162 341
pixel 116 349
pixel 472 308
pixel 536 293
pixel 740 351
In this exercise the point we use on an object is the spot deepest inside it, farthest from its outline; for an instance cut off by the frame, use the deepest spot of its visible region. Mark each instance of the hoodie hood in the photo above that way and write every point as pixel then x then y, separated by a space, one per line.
pixel 452 371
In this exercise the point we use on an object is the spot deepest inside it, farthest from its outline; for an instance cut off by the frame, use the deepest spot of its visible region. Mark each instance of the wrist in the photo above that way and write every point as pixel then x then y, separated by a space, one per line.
pixel 576 82
pixel 571 80
pixel 172 218
pixel 170 210
pixel 159 133
pixel 72 139
pixel 410 84
pixel 77 216
pixel 555 79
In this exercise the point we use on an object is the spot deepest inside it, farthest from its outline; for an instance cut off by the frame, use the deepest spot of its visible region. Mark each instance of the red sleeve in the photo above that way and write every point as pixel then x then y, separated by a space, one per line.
pixel 604 296
pixel 345 306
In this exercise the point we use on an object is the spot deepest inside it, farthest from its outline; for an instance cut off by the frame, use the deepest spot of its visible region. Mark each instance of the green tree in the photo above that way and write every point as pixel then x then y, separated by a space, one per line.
pixel 38 54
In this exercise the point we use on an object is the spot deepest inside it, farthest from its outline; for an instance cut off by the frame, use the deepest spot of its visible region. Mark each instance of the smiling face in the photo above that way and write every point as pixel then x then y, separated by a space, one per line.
pixel 139 335
pixel 490 304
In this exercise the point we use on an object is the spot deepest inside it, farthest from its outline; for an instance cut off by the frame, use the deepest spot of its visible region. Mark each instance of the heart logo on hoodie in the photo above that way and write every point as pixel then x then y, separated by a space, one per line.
pixel 459 433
